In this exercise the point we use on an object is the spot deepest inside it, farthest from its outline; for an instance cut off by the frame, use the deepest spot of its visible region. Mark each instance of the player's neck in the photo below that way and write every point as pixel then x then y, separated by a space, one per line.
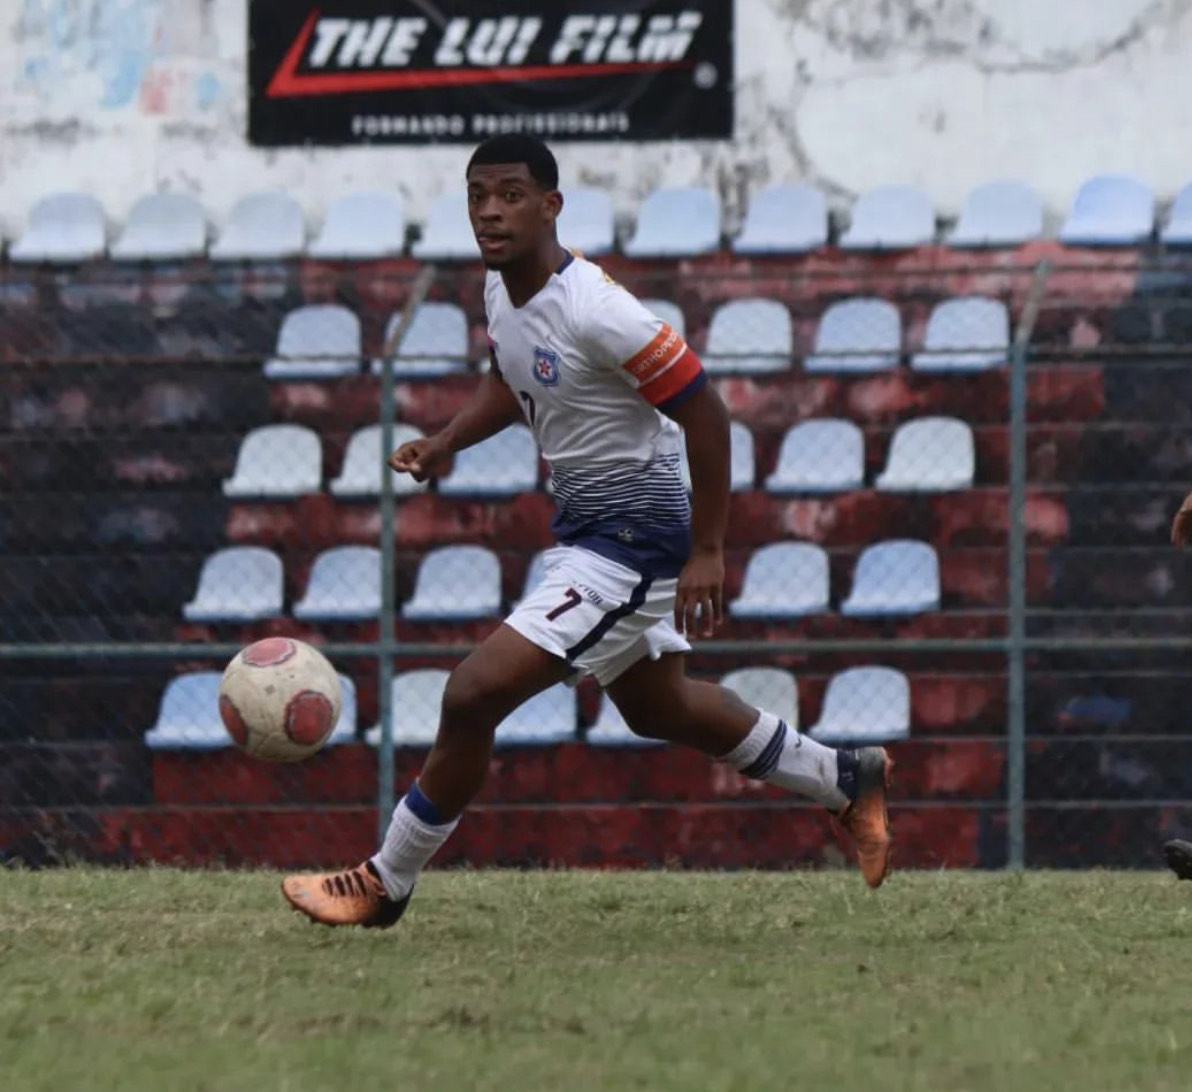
pixel 526 279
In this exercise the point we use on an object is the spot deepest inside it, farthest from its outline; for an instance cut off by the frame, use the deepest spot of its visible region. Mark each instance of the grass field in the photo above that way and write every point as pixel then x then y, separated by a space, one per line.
pixel 163 980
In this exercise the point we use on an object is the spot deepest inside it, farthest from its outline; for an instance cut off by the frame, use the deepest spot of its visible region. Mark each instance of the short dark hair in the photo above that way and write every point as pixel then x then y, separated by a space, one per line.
pixel 519 148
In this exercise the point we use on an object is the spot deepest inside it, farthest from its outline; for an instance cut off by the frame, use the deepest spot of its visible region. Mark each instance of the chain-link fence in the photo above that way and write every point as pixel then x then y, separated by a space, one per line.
pixel 194 460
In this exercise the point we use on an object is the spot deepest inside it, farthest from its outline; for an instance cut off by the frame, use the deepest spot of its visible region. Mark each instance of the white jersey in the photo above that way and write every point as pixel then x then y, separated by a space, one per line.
pixel 592 367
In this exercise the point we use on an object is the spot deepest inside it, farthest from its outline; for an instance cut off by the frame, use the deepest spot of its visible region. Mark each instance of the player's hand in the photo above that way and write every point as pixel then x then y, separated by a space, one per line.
pixel 699 601
pixel 422 458
pixel 1181 526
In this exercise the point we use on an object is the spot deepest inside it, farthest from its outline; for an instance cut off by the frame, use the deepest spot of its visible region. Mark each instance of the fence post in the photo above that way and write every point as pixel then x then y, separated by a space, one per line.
pixel 1016 657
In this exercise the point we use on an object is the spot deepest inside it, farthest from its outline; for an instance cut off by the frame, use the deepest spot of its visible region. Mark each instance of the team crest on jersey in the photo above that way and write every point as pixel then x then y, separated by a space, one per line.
pixel 546 366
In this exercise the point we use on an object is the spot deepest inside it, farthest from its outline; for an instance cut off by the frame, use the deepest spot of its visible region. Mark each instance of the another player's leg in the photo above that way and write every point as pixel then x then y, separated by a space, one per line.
pixel 657 699
pixel 497 677
pixel 1178 855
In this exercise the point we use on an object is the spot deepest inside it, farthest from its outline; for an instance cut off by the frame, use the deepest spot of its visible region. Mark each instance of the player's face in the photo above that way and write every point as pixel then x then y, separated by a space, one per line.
pixel 511 213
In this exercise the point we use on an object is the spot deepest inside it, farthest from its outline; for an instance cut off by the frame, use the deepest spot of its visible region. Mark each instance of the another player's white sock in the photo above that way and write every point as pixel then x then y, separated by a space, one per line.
pixel 413 838
pixel 776 753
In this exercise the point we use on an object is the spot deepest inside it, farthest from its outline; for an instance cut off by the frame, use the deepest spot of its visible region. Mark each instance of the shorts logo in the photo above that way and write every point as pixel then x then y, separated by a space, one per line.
pixel 546 366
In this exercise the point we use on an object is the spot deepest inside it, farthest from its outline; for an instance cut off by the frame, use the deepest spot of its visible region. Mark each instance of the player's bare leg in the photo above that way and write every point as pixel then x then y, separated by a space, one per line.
pixel 497 677
pixel 657 699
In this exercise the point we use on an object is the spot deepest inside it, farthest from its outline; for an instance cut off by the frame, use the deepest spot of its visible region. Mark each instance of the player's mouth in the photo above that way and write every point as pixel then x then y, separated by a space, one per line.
pixel 492 242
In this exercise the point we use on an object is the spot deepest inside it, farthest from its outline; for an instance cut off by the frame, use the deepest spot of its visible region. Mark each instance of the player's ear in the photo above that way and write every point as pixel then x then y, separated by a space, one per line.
pixel 552 205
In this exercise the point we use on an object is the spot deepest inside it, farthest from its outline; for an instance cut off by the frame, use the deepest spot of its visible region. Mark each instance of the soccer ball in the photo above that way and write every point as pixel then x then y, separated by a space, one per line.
pixel 279 699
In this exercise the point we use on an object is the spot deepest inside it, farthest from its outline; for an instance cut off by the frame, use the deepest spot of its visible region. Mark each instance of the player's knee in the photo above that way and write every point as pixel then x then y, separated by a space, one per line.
pixel 474 700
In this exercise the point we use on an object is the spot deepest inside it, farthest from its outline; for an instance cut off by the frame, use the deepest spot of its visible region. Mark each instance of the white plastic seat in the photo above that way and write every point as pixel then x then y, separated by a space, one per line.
pixel 344 585
pixel 345 728
pixel 261 227
pixel 894 578
pixel 865 705
pixel 821 456
pixel 548 717
pixel 435 344
pixel 783 580
pixel 501 466
pixel 277 461
pixel 1110 210
pixel 929 455
pixel 416 703
pixel 363 224
pixel 770 688
pixel 610 729
pixel 586 222
pixel 162 227
pixel 62 228
pixel 188 718
pixel 1178 229
pixel 749 336
pixel 364 463
pixel 857 335
pixel 447 234
pixel 788 219
pixel 456 583
pixel 238 584
pixel 318 341
pixel 965 334
pixel 670 313
pixel 676 222
pixel 741 459
pixel 999 213
pixel 890 218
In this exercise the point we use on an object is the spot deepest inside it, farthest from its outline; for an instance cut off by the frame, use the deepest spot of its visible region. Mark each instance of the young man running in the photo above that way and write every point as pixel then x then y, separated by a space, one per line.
pixel 606 388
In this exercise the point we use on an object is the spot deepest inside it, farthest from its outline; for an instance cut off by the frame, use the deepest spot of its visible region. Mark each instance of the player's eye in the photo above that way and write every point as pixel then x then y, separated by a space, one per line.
pixel 512 196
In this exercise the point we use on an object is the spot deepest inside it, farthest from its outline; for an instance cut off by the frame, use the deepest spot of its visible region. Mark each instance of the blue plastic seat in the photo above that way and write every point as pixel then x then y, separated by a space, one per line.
pixel 857 335
pixel 929 455
pixel 783 580
pixel 277 461
pixel 1111 210
pixel 770 688
pixel 890 218
pixel 864 705
pixel 548 717
pixel 434 344
pixel 361 225
pixel 501 466
pixel 894 578
pixel 826 455
pixel 62 228
pixel 678 221
pixel 749 337
pixel 999 213
pixel 966 334
pixel 262 227
pixel 586 222
pixel 455 583
pixel 447 234
pixel 344 585
pixel 364 464
pixel 238 584
pixel 786 219
pixel 162 227
pixel 319 341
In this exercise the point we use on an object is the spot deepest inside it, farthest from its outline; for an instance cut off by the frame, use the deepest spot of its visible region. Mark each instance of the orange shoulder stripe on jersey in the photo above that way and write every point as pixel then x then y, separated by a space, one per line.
pixel 662 350
pixel 665 386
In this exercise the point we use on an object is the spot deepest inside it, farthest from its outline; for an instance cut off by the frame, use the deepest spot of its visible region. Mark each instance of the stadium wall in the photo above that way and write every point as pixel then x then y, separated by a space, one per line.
pixel 119 97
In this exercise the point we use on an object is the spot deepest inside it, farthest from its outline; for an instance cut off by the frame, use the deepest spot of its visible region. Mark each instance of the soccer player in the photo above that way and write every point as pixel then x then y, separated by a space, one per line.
pixel 606 388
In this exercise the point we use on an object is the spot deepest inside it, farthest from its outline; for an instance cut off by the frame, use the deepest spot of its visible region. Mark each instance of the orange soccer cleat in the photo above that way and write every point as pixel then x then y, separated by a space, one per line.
pixel 865 818
pixel 355 896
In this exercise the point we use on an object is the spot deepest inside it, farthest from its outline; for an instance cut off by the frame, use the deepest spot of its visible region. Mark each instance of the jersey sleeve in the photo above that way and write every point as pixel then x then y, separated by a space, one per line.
pixel 626 337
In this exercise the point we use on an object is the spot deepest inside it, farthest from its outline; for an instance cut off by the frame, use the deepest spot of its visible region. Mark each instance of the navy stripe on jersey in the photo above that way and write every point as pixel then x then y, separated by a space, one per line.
pixel 636 598
pixel 649 495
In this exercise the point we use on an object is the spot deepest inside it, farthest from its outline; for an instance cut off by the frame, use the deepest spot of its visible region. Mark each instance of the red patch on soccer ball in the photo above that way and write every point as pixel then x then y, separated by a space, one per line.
pixel 233 721
pixel 270 652
pixel 309 717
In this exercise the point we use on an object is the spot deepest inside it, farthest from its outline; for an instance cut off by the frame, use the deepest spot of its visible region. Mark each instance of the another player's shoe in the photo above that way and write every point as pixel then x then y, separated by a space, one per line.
pixel 355 896
pixel 1178 855
pixel 865 818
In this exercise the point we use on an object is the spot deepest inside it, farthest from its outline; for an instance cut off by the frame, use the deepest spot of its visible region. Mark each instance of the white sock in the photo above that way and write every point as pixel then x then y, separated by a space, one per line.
pixel 409 843
pixel 776 753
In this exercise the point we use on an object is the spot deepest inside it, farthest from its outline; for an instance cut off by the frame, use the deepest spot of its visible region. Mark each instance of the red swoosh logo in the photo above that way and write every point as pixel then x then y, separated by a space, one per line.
pixel 288 82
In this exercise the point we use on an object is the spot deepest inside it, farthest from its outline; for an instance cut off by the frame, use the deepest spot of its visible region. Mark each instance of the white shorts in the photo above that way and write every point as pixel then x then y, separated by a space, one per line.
pixel 599 616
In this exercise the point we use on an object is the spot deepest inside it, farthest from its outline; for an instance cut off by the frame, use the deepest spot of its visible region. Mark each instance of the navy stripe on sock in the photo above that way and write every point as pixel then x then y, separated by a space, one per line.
pixel 764 764
pixel 422 808
pixel 635 600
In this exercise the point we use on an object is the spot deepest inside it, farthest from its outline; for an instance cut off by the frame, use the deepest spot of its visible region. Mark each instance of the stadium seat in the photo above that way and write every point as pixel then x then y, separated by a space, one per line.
pixel 669 312
pixel 749 336
pixel 319 341
pixel 783 580
pixel 864 705
pixel 188 718
pixel 890 218
pixel 548 717
pixel 435 343
pixel 1178 229
pixel 456 583
pixel 261 227
pixel 417 700
pixel 163 227
pixel 857 335
pixel 345 728
pixel 63 228
pixel 770 688
pixel 277 461
pixel 238 584
pixel 344 585
pixel 361 225
pixel 1110 210
pixel 364 463
pixel 447 234
pixel 929 455
pixel 676 222
pixel 820 456
pixel 966 334
pixel 786 219
pixel 1002 213
pixel 610 729
pixel 741 459
pixel 535 573
pixel 501 466
pixel 586 223
pixel 898 577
